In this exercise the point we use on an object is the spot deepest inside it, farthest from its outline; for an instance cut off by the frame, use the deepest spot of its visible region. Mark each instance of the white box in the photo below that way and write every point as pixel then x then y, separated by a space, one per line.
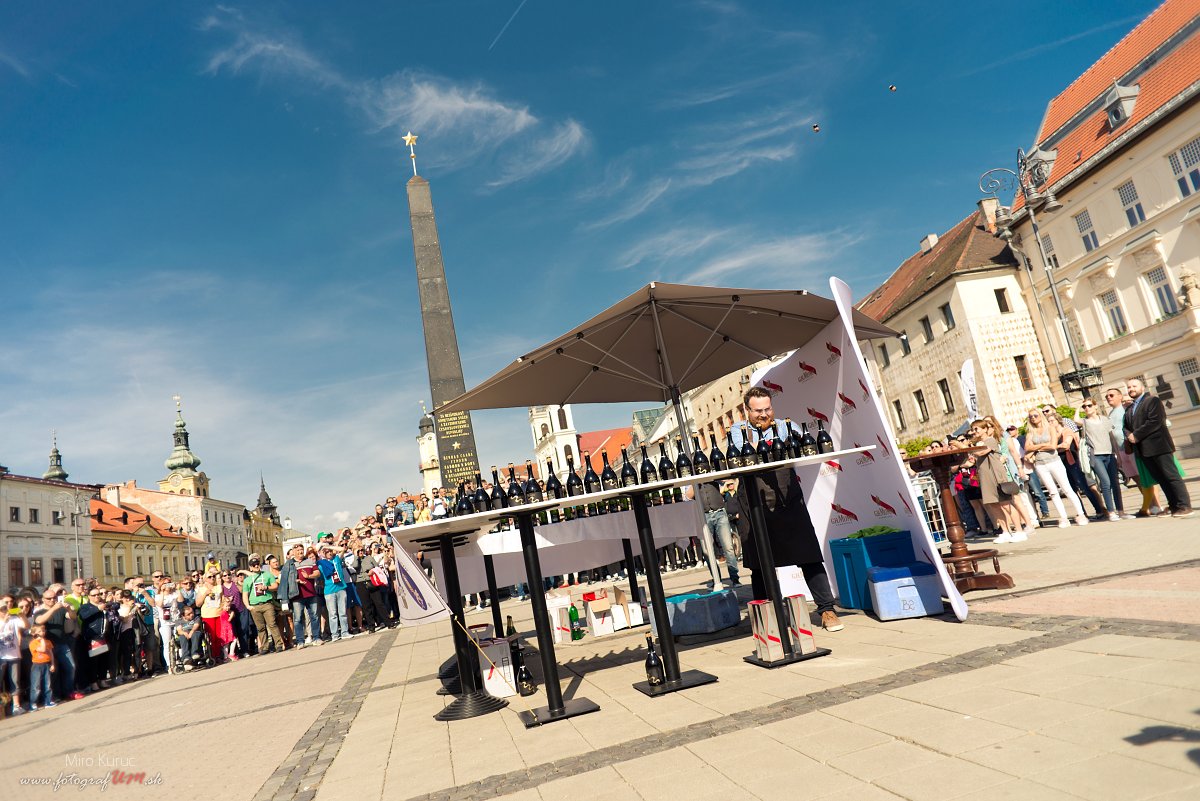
pixel 791 582
pixel 619 617
pixel 600 623
pixel 498 677
pixel 637 613
pixel 560 624
pixel 767 644
pixel 803 641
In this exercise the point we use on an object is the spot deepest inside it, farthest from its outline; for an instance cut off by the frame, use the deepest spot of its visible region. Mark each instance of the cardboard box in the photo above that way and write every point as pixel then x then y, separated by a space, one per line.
pixel 620 617
pixel 597 601
pixel 765 628
pixel 791 582
pixel 480 631
pixel 499 679
pixel 600 623
pixel 560 623
pixel 637 614
pixel 803 641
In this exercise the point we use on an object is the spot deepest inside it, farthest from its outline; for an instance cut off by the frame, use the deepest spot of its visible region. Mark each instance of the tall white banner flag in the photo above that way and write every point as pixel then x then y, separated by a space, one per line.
pixel 419 600
pixel 827 380
pixel 966 381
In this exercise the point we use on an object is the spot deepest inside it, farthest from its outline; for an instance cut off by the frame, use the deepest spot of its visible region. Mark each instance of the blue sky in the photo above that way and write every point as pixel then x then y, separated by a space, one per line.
pixel 209 199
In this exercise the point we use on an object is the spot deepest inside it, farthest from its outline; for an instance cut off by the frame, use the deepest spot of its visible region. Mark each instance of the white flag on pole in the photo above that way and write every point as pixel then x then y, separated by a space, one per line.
pixel 419 600
pixel 966 381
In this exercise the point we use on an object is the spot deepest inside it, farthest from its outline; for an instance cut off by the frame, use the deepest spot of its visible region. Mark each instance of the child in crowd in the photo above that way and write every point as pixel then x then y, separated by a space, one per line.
pixel 42 655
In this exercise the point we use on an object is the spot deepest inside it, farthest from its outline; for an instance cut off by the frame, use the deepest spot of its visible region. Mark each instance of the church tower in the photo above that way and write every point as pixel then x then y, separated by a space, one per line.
pixel 183 478
pixel 554 436
pixel 56 472
pixel 427 451
pixel 265 508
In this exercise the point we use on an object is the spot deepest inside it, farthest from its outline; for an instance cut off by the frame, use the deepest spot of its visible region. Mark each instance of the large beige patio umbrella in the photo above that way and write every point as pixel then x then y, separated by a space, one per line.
pixel 661 340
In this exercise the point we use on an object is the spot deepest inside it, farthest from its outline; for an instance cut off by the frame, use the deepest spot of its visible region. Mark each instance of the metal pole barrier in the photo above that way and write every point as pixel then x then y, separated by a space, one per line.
pixel 489 569
pixel 635 592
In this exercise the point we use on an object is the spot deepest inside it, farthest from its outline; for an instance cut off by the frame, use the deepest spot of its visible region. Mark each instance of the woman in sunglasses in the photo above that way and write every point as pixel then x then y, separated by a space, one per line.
pixel 1042 439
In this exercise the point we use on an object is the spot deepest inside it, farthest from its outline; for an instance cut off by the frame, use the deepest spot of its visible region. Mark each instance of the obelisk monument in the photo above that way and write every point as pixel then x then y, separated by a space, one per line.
pixel 457 457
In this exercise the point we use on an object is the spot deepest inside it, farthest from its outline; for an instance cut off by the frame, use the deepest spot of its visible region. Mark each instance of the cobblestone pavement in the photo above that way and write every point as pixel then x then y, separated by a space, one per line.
pixel 1082 682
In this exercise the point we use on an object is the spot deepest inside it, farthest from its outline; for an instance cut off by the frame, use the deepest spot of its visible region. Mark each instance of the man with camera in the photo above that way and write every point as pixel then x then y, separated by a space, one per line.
pixel 258 594
pixel 59 619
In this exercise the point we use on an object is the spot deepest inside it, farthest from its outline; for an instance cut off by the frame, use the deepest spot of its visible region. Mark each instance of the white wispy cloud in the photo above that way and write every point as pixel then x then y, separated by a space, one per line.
pixel 1046 47
pixel 467 118
pixel 669 245
pixel 636 203
pixel 14 63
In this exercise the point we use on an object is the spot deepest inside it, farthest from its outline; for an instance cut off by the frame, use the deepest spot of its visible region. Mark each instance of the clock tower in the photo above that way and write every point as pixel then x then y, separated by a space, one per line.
pixel 183 478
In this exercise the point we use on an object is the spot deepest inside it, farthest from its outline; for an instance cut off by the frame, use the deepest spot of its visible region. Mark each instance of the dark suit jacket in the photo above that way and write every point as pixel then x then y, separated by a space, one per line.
pixel 1148 424
pixel 789 527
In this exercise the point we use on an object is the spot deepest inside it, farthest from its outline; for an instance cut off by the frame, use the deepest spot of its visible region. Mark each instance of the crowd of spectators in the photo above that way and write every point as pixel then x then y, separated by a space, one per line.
pixel 1042 471
pixel 68 642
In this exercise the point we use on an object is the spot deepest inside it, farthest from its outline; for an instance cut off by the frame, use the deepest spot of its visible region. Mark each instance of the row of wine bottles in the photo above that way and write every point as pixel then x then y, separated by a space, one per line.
pixel 772 446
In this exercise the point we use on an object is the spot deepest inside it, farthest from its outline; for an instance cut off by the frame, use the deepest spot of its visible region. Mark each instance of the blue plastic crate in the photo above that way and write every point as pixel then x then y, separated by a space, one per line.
pixel 907 591
pixel 700 613
pixel 852 558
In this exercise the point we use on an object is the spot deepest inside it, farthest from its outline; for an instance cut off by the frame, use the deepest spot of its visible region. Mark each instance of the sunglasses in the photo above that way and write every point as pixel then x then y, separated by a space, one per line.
pixel 1088 405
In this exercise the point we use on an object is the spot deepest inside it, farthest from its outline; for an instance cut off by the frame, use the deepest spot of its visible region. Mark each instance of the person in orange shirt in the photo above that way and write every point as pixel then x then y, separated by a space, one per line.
pixel 42 658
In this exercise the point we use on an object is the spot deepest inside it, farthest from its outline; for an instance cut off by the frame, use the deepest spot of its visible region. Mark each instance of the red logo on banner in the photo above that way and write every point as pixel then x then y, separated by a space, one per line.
pixel 848 405
pixel 813 413
pixel 807 372
pixel 835 352
pixel 773 387
pixel 842 515
pixel 866 392
pixel 906 506
pixel 866 457
pixel 830 468
pixel 887 453
pixel 884 509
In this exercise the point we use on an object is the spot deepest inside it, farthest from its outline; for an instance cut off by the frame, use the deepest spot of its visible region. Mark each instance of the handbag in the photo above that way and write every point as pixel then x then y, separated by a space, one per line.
pixel 1009 488
pixel 98 647
pixel 378 577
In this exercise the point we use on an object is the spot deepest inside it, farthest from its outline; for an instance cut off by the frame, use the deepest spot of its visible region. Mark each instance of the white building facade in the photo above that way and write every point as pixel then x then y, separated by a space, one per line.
pixel 554 436
pixel 44 523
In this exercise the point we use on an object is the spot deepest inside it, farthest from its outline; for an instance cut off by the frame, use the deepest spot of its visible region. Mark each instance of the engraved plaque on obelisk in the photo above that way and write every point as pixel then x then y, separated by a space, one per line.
pixel 457 456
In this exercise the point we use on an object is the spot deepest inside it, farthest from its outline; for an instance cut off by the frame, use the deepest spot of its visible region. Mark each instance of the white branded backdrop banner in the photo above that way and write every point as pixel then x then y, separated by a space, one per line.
pixel 827 380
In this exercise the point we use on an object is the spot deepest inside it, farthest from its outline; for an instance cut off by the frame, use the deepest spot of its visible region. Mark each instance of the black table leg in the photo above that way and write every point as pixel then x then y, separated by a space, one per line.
pixel 556 708
pixel 635 592
pixel 474 701
pixel 770 579
pixel 674 679
pixel 489 569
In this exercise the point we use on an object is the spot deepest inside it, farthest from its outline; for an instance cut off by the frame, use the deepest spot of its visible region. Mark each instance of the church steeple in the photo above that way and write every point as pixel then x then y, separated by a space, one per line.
pixel 181 458
pixel 56 472
pixel 265 508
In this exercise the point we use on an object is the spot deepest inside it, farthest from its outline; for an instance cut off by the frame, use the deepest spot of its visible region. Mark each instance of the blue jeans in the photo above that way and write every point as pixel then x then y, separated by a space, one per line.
pixel 1039 492
pixel 335 607
pixel 307 608
pixel 64 667
pixel 39 684
pixel 718 524
pixel 1104 465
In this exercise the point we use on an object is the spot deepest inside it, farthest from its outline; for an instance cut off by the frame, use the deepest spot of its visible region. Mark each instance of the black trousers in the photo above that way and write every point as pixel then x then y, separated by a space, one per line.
pixel 374 604
pixel 814 576
pixel 1163 468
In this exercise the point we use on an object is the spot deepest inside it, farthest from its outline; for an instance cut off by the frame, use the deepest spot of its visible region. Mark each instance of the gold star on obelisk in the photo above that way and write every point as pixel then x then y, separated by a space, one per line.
pixel 410 139
pixel 456 445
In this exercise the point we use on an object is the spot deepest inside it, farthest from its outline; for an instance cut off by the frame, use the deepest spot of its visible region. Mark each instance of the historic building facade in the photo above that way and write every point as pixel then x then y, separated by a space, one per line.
pixel 128 540
pixel 1123 158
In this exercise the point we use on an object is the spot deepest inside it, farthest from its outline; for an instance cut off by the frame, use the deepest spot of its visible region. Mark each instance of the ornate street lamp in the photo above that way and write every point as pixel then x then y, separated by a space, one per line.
pixel 1030 179
pixel 76 504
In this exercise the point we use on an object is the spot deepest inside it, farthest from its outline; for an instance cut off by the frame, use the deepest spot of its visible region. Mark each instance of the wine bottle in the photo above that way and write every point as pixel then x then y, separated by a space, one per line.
pixel 576 623
pixel 749 454
pixel 792 440
pixel 778 451
pixel 574 482
pixel 526 686
pixel 608 476
pixel 716 459
pixel 655 675
pixel 533 490
pixel 499 499
pixel 699 460
pixel 629 477
pixel 464 505
pixel 683 462
pixel 483 503
pixel 733 456
pixel 509 629
pixel 554 487
pixel 824 441
pixel 516 495
pixel 649 473
pixel 808 445
pixel 666 470
pixel 591 481
pixel 763 451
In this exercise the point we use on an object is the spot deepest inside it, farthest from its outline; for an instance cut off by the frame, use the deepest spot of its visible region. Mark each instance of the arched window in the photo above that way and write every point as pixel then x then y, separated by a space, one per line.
pixel 568 453
pixel 545 430
pixel 562 418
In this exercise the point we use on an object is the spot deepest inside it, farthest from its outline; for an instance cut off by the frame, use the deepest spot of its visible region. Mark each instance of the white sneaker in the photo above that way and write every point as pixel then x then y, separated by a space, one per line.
pixel 1019 536
pixel 1064 523
pixel 1113 516
pixel 1082 520
pixel 1003 538
pixel 1156 509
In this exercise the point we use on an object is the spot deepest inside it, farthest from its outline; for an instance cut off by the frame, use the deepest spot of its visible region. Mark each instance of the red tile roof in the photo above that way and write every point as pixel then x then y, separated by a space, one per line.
pixel 611 440
pixel 1150 33
pixel 964 248
pixel 1165 80
pixel 126 519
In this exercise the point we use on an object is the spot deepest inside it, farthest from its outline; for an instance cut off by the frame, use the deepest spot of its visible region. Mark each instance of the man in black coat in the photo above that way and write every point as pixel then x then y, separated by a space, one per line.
pixel 789 527
pixel 1149 438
